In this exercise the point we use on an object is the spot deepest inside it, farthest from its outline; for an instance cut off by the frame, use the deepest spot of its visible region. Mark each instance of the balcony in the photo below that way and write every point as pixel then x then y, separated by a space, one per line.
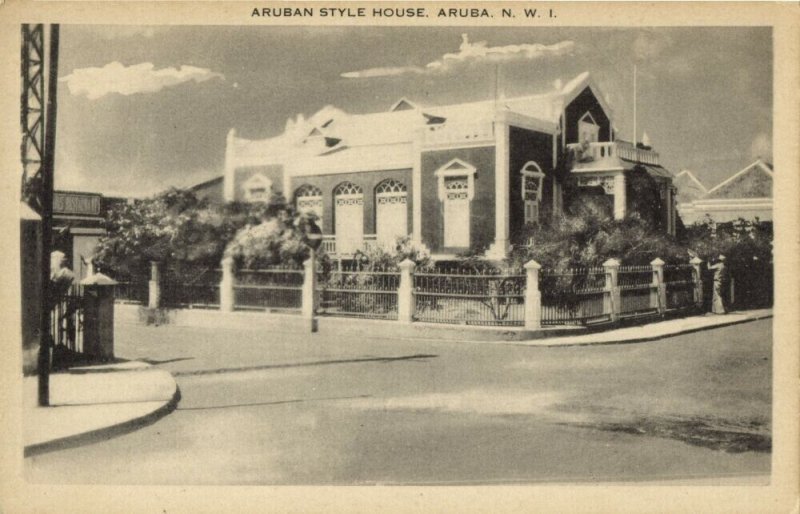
pixel 607 155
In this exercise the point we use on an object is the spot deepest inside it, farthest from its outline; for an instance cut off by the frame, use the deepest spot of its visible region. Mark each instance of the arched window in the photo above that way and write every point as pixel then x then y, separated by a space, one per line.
pixel 348 217
pixel 391 211
pixel 308 198
pixel 532 177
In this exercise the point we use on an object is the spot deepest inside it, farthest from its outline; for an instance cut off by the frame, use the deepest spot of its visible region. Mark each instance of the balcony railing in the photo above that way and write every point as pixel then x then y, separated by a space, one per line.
pixel 450 133
pixel 595 153
pixel 368 242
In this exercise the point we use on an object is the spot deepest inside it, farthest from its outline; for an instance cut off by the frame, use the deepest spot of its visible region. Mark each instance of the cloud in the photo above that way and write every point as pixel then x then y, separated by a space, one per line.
pixel 117 78
pixel 471 53
pixel 120 31
pixel 761 147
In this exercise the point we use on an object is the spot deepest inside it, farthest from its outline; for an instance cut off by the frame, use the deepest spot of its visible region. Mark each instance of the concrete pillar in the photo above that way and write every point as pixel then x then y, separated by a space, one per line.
pixel 405 293
pixel 698 281
pixel 620 199
pixel 154 297
pixel 416 189
pixel 533 297
pixel 612 300
pixel 229 182
pixel 309 296
pixel 658 292
pixel 499 249
pixel 98 316
pixel 226 293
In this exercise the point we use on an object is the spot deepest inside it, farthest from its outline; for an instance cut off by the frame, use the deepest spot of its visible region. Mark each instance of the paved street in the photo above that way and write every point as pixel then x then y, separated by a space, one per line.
pixel 272 408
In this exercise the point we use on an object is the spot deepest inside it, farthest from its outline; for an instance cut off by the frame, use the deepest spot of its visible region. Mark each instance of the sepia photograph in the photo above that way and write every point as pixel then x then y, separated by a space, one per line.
pixel 310 254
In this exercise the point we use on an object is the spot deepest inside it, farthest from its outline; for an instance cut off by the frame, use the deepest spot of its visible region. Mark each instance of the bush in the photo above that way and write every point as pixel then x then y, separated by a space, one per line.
pixel 587 236
pixel 378 258
pixel 271 242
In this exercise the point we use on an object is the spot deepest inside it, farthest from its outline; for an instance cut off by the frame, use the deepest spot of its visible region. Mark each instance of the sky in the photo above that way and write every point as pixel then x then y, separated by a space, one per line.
pixel 143 108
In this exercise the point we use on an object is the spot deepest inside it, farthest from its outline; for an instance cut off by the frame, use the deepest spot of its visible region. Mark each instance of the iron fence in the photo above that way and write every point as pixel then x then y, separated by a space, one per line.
pixel 131 290
pixel 679 282
pixel 575 296
pixel 638 296
pixel 191 287
pixel 272 288
pixel 357 292
pixel 66 319
pixel 470 297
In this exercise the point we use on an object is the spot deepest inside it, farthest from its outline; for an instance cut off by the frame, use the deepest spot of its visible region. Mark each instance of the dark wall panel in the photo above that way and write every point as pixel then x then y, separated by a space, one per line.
pixel 482 207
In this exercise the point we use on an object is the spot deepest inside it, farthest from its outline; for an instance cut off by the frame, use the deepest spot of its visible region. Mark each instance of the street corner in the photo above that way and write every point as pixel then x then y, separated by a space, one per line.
pixel 93 406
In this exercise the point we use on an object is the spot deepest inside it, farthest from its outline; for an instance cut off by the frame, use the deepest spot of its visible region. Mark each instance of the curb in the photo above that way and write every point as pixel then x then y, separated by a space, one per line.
pixel 643 339
pixel 94 436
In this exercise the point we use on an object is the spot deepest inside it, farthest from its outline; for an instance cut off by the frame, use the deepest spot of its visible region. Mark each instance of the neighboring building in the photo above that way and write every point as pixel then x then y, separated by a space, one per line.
pixel 78 225
pixel 747 194
pixel 452 177
pixel 688 187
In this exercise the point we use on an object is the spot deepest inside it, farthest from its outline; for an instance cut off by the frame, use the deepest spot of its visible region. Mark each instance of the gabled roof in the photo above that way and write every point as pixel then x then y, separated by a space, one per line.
pixel 399 124
pixel 688 186
pixel 404 104
pixel 754 181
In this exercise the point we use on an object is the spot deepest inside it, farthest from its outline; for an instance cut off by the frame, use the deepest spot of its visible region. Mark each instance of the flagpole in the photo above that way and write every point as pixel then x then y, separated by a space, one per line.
pixel 634 106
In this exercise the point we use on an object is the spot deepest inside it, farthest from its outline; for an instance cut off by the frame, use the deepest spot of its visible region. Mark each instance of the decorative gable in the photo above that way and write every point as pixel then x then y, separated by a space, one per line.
pixel 257 188
pixel 403 105
pixel 755 181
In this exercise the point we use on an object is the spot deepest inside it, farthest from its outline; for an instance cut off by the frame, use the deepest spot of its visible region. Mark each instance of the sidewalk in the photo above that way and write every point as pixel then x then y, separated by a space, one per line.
pixel 652 331
pixel 94 403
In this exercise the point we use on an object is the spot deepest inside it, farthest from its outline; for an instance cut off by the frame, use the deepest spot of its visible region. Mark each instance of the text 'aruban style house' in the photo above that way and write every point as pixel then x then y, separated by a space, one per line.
pixel 453 177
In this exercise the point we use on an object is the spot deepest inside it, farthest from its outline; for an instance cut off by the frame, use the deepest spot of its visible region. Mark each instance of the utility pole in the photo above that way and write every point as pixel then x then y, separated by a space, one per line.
pixel 38 120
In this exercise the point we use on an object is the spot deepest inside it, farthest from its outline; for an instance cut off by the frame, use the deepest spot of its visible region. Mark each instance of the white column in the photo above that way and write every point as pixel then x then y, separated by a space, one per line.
pixel 230 167
pixel 287 186
pixel 698 278
pixel 658 292
pixel 416 189
pixel 533 297
pixel 226 295
pixel 154 289
pixel 405 293
pixel 309 291
pixel 612 299
pixel 620 205
pixel 499 249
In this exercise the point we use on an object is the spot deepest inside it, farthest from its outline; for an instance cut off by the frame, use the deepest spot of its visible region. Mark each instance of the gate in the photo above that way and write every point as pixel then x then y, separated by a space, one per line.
pixel 66 319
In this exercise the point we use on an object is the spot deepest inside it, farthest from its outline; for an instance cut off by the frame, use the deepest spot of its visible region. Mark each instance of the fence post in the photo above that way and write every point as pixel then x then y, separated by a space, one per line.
pixel 533 297
pixel 405 292
pixel 612 302
pixel 698 281
pixel 154 292
pixel 658 293
pixel 226 297
pixel 309 290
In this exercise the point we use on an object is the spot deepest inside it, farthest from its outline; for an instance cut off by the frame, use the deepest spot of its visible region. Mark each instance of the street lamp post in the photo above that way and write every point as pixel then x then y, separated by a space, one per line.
pixel 312 236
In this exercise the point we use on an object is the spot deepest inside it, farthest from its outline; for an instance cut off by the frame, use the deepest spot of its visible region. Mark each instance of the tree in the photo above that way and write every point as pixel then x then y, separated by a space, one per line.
pixel 176 227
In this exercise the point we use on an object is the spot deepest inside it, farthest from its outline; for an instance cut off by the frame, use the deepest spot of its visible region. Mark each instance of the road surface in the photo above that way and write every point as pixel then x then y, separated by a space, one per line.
pixel 270 408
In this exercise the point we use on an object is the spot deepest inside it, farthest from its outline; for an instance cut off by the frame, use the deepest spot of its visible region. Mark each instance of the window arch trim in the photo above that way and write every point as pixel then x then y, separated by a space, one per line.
pixel 456 168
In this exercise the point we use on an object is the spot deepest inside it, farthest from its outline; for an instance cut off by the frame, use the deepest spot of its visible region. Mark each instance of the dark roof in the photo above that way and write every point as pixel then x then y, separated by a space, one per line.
pixel 207 183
